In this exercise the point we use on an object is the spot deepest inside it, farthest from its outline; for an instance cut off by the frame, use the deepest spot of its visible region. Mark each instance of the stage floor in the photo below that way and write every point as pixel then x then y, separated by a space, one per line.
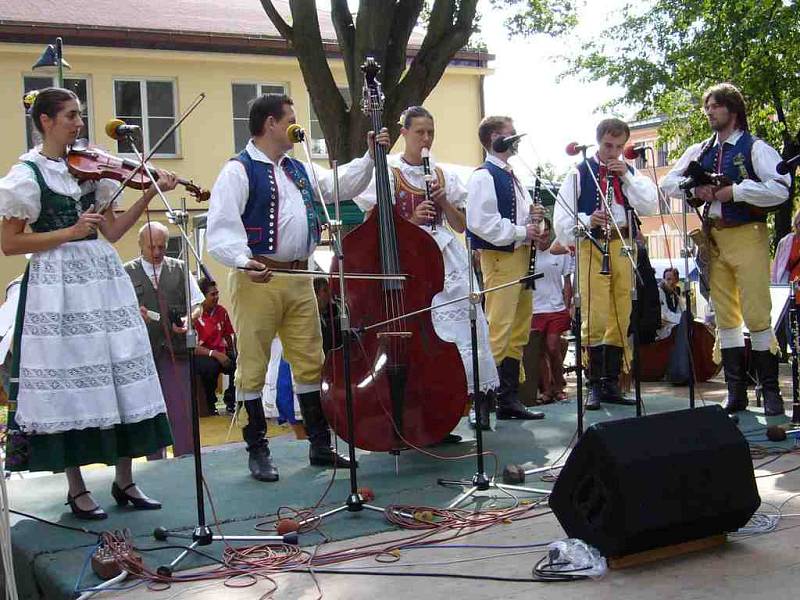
pixel 48 560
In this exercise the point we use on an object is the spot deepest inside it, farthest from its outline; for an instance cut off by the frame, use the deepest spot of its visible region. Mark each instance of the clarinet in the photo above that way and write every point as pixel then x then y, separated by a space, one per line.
pixel 537 201
pixel 426 169
pixel 605 267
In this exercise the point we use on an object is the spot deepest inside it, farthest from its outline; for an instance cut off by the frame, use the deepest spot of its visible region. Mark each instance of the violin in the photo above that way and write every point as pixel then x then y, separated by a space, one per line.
pixel 89 163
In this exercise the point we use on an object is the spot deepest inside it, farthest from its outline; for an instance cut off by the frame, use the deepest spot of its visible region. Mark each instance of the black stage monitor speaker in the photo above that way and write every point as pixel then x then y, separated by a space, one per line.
pixel 636 484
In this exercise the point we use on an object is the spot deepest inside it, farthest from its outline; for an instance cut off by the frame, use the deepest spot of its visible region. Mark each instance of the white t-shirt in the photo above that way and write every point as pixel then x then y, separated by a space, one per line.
pixel 548 297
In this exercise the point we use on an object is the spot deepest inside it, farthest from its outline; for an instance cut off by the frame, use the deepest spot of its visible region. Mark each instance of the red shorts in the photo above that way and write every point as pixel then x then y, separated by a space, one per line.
pixel 554 322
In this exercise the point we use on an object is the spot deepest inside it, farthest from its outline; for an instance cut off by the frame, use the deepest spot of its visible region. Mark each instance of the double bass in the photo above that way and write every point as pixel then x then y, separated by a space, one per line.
pixel 408 385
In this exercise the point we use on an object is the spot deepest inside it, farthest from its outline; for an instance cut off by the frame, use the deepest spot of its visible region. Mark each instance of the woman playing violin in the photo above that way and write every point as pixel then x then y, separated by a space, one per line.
pixel 87 388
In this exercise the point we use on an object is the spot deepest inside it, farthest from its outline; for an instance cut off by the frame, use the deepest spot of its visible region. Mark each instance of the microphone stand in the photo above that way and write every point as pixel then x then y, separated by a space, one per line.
pixel 794 325
pixel 201 535
pixel 687 293
pixel 687 296
pixel 636 366
pixel 355 501
pixel 480 482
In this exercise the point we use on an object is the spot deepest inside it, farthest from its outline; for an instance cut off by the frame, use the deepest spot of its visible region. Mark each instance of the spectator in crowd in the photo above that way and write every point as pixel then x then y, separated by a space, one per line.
pixel 216 351
pixel 551 302
pixel 158 281
pixel 671 307
pixel 328 315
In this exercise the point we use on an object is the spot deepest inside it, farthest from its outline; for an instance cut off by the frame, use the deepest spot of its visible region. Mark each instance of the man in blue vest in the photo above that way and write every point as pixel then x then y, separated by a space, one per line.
pixel 735 215
pixel 262 217
pixel 500 223
pixel 605 179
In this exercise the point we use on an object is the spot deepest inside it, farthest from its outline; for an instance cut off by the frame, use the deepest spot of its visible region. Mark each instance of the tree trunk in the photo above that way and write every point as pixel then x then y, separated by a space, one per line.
pixel 382 30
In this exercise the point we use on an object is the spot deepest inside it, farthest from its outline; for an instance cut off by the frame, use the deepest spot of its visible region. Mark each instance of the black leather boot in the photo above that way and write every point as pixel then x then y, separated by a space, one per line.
pixel 320 454
pixel 479 414
pixel 594 377
pixel 508 404
pixel 766 364
pixel 733 365
pixel 255 434
pixel 612 394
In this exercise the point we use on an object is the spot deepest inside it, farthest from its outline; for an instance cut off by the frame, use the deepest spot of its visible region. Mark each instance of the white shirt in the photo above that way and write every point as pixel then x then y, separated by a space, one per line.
pixel 548 297
pixel 483 216
pixel 20 197
pixel 153 272
pixel 772 190
pixel 226 236
pixel 454 190
pixel 669 318
pixel 639 189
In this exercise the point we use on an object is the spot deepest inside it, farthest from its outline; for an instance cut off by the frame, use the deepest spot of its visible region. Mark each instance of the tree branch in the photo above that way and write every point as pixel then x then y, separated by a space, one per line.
pixel 346 34
pixel 286 31
pixel 405 18
pixel 443 40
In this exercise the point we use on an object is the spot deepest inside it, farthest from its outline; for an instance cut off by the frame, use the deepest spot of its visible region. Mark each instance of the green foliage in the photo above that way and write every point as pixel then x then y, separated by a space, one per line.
pixel 532 17
pixel 665 53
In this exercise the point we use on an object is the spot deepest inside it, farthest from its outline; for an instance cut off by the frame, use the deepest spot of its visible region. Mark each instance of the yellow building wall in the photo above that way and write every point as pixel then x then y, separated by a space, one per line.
pixel 206 137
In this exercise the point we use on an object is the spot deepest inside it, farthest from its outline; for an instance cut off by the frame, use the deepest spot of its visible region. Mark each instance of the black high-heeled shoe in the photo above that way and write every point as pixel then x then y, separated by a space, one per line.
pixel 94 514
pixel 123 498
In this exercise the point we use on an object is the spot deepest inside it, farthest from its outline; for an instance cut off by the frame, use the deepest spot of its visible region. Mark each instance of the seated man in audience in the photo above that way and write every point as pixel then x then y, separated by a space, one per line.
pixel 215 352
pixel 671 307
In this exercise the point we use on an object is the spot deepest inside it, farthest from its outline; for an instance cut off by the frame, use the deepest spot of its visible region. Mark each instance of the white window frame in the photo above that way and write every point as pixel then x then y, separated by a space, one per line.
pixel 314 154
pixel 260 85
pixel 145 115
pixel 54 78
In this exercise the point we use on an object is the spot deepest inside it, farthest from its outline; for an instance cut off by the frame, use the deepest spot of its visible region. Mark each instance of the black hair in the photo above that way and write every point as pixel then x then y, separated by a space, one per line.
pixel 671 270
pixel 49 102
pixel 263 107
pixel 413 112
pixel 206 284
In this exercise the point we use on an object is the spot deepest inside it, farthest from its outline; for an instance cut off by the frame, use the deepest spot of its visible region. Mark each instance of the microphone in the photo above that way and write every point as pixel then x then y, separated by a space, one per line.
pixel 632 152
pixel 574 148
pixel 295 133
pixel 117 128
pixel 503 144
pixel 785 166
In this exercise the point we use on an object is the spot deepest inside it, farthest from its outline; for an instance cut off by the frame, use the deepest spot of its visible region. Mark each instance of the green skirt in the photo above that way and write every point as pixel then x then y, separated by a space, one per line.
pixel 77 447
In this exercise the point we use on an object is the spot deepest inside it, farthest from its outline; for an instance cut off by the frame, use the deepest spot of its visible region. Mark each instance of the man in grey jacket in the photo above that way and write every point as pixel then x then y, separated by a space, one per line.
pixel 159 284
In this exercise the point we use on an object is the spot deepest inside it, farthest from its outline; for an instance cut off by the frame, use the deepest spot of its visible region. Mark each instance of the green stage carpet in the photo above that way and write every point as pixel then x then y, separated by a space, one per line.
pixel 48 560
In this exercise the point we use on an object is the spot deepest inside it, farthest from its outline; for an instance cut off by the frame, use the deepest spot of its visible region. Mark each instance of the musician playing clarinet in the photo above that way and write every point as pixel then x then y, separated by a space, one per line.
pixel 499 215
pixel 735 215
pixel 262 217
pixel 607 297
pixel 434 198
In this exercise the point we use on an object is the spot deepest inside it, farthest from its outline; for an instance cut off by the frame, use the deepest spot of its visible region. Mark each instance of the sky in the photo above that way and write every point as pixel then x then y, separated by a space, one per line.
pixel 524 85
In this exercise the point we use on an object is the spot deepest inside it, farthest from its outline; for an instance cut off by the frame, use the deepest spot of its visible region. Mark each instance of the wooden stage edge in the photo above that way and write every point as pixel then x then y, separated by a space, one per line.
pixel 648 556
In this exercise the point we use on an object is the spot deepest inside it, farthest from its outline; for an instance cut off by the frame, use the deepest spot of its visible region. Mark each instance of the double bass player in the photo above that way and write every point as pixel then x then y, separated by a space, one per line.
pixel 261 217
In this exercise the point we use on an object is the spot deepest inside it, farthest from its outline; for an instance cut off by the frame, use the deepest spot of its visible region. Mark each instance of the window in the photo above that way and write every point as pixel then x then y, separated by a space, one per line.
pixel 662 157
pixel 79 85
pixel 318 147
pixel 243 95
pixel 151 106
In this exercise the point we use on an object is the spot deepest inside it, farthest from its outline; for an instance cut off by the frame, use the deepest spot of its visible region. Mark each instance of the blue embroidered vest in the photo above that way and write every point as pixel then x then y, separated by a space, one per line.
pixel 587 200
pixel 737 165
pixel 506 205
pixel 260 216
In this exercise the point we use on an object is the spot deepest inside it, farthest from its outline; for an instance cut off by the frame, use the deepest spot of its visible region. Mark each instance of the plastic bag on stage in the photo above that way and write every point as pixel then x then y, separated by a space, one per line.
pixel 575 557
